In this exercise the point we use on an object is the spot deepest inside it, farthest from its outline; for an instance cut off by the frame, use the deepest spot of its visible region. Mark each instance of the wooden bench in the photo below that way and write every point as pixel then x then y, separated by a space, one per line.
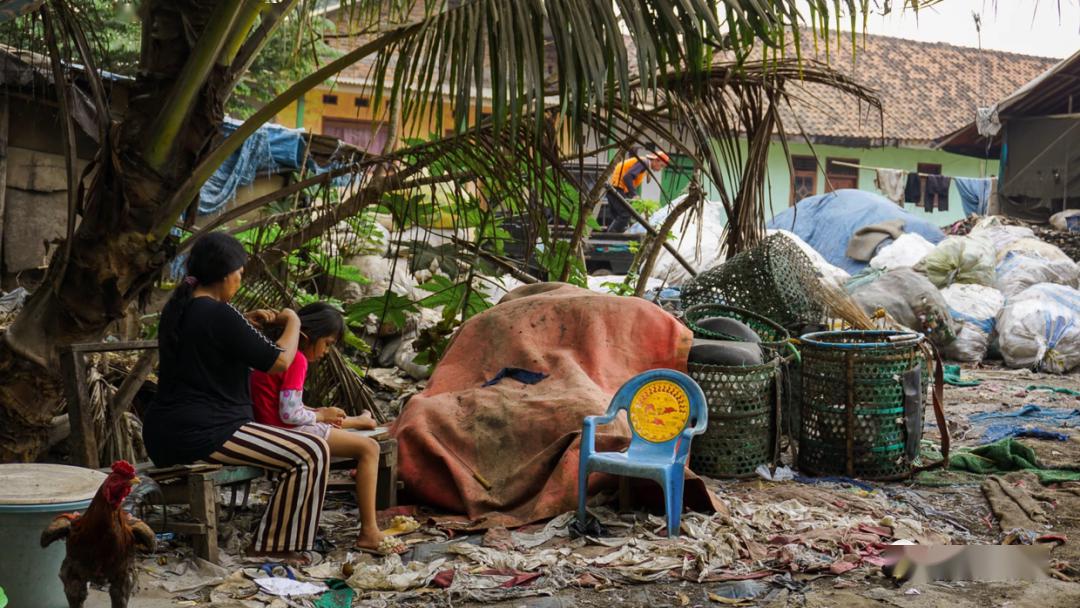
pixel 197 486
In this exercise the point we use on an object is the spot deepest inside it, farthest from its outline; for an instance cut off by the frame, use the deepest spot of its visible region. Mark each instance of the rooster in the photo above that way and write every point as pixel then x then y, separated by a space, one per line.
pixel 101 543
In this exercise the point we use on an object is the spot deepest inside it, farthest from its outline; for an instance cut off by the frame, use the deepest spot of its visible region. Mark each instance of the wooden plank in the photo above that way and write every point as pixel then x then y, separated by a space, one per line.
pixel 130 386
pixel 84 448
pixel 109 347
pixel 3 168
pixel 204 510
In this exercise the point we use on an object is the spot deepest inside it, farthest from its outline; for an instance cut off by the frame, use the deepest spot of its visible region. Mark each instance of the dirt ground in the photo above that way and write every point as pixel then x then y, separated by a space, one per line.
pixel 958 507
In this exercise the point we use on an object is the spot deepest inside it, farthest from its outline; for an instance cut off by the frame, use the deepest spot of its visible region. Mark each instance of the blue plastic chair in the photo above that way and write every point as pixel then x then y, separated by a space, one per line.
pixel 665 409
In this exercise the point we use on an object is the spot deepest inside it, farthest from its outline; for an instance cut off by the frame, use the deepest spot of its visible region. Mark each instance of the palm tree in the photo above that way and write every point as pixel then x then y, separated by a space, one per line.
pixel 692 83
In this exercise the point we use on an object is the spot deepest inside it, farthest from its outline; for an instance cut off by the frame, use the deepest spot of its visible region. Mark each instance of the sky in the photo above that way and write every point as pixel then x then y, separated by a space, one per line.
pixel 1031 27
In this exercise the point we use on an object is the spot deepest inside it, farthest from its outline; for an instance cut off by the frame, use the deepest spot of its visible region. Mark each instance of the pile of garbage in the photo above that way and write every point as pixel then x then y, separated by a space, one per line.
pixel 990 289
pixel 767 534
pixel 1006 291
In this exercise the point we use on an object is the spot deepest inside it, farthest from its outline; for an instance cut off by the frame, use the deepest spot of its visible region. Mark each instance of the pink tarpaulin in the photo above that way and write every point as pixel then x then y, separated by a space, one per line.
pixel 521 439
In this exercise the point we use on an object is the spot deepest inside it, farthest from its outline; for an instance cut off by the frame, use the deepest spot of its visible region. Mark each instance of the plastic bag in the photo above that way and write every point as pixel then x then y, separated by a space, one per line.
pixel 1040 329
pixel 960 259
pixel 1020 270
pixel 1060 220
pixel 912 300
pixel 907 250
pixel 1034 245
pixel 974 309
pixel 1000 235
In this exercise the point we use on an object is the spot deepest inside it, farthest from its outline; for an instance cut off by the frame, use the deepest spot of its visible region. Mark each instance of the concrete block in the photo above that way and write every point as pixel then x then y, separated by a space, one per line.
pixel 30 219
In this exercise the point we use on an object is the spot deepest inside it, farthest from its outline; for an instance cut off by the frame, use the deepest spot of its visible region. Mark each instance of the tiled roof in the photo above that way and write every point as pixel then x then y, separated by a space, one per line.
pixel 927 89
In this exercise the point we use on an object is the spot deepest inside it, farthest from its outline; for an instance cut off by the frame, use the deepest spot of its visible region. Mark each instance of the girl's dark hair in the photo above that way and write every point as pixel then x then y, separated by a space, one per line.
pixel 317 320
pixel 212 258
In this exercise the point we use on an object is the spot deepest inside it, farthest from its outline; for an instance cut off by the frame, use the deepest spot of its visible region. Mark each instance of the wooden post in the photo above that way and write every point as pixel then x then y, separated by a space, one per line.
pixel 386 487
pixel 203 497
pixel 84 448
pixel 3 169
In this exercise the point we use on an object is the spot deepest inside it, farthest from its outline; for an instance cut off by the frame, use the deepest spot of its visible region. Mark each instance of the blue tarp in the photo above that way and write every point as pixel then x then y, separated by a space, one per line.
pixel 827 221
pixel 271 149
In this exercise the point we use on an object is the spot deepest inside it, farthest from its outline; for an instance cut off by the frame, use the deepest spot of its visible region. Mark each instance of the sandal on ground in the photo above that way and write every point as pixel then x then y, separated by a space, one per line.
pixel 401 524
pixel 387 546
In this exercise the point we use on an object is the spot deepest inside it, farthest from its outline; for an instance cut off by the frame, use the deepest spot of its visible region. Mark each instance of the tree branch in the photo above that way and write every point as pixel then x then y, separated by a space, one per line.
pixel 244 21
pixel 251 47
pixel 213 160
pixel 67 136
pixel 189 83
pixel 688 203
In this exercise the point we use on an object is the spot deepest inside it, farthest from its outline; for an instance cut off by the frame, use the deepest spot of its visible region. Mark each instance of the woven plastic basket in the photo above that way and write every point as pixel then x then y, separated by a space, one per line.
pixel 775 279
pixel 742 418
pixel 853 403
pixel 772 335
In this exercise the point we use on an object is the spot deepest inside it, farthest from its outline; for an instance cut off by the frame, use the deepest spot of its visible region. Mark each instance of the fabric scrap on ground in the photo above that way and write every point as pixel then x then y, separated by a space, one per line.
pixel 392 575
pixel 1054 389
pixel 1031 412
pixel 954 376
pixel 1007 455
pixel 997 432
pixel 523 376
pixel 1012 503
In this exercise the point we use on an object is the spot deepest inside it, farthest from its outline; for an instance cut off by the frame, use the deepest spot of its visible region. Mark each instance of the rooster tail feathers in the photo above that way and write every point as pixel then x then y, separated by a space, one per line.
pixel 57 529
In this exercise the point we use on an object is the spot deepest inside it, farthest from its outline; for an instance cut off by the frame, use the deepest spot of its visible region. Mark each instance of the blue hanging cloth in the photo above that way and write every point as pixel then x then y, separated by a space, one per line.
pixel 974 193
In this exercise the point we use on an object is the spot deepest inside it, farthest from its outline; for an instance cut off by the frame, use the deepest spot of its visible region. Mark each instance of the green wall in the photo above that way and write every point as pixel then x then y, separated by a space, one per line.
pixel 778 187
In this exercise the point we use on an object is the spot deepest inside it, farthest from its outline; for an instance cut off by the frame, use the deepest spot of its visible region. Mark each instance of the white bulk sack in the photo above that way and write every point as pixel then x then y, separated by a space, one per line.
pixel 906 251
pixel 974 309
pixel 1021 269
pixel 1033 245
pixel 1040 329
pixel 1000 235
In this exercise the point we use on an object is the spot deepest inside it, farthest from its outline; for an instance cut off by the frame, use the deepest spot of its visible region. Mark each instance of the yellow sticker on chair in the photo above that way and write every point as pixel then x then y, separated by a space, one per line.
pixel 659 411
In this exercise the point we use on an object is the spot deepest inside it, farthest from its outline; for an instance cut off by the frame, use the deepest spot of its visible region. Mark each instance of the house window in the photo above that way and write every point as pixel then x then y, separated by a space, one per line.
pixel 330 100
pixel 803 177
pixel 362 102
pixel 840 176
pixel 929 169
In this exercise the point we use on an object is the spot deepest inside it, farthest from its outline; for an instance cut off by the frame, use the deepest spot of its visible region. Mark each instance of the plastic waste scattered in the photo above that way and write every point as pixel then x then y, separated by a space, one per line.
pixel 780 474
pixel 287 587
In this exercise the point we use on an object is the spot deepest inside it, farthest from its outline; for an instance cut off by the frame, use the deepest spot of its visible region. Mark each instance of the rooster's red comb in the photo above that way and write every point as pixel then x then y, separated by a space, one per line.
pixel 123 467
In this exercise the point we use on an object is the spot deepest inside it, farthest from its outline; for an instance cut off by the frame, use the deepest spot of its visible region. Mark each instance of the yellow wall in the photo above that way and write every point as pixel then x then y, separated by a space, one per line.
pixel 345 108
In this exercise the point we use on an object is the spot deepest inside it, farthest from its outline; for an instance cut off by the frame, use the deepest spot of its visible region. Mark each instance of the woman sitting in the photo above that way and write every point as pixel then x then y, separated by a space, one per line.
pixel 203 409
pixel 279 401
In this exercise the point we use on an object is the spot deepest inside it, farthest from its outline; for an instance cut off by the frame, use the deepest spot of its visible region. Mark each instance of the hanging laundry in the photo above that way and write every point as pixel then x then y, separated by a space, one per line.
pixel 936 194
pixel 913 191
pixel 892 185
pixel 974 193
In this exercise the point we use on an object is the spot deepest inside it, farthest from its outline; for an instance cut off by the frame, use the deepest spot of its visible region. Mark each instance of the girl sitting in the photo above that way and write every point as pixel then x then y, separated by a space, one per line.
pixel 278 400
